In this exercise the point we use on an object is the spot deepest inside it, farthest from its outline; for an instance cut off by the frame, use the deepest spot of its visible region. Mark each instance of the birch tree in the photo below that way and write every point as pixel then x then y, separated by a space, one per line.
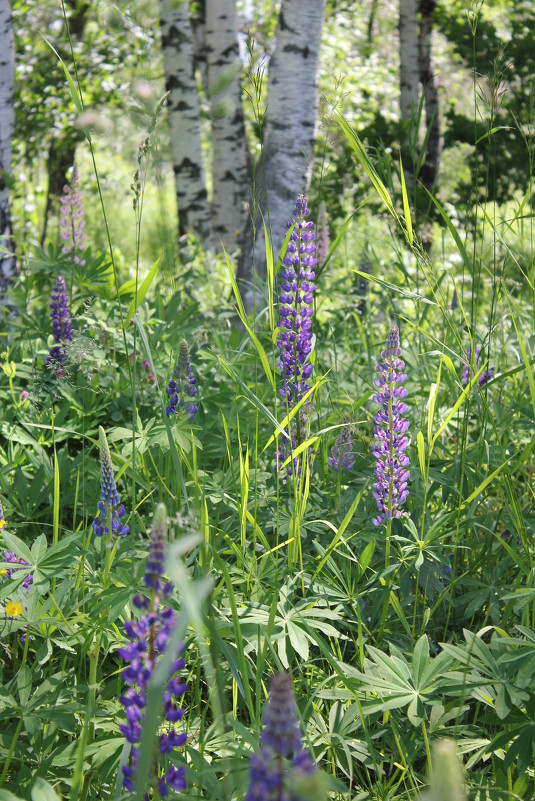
pixel 7 130
pixel 229 144
pixel 290 131
pixel 429 81
pixel 409 77
pixel 184 121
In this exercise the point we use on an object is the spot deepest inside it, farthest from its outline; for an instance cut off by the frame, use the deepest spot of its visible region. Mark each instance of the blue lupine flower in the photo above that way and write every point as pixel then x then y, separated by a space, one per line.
pixel 295 339
pixel 61 327
pixel 148 640
pixel 485 376
pixel 110 502
pixel 281 759
pixel 10 556
pixel 341 457
pixel 182 386
pixel 390 489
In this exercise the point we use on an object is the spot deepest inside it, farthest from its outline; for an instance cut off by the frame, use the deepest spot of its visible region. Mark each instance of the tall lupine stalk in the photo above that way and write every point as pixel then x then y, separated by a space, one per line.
pixel 341 457
pixel 468 372
pixel 148 641
pixel 61 328
pixel 71 220
pixel 390 434
pixel 295 337
pixel 182 386
pixel 281 764
pixel 110 509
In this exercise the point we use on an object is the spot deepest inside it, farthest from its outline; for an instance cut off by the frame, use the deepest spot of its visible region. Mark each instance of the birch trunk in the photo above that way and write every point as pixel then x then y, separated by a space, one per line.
pixel 409 76
pixel 184 121
pixel 430 166
pixel 229 170
pixel 8 264
pixel 290 132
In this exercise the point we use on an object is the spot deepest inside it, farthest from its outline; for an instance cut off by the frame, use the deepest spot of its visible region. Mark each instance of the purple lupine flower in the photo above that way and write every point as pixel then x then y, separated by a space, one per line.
pixel 295 339
pixel 61 327
pixel 110 505
pixel 148 640
pixel 281 759
pixel 341 457
pixel 485 376
pixel 182 386
pixel 13 559
pixel 322 240
pixel 295 306
pixel 390 489
pixel 71 221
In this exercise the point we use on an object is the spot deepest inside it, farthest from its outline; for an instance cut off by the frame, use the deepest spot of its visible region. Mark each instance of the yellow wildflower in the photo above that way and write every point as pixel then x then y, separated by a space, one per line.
pixel 3 572
pixel 13 609
pixel 2 523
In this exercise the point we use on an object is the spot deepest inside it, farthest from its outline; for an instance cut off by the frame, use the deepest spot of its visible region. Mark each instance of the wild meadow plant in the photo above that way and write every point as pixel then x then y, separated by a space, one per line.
pixel 282 768
pixel 148 642
pixel 72 220
pixel 485 376
pixel 295 340
pixel 341 457
pixel 61 328
pixel 183 386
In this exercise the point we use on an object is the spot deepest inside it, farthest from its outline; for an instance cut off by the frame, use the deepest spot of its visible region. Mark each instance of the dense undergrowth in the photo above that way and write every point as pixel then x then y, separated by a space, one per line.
pixel 395 634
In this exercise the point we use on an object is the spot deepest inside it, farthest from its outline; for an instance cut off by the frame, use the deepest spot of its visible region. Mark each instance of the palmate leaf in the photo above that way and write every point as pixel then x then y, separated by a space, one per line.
pixel 396 683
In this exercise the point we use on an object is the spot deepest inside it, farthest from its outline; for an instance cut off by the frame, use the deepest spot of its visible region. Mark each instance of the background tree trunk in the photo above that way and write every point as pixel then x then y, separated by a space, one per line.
pixel 62 148
pixel 290 132
pixel 229 143
pixel 8 264
pixel 430 166
pixel 184 121
pixel 409 76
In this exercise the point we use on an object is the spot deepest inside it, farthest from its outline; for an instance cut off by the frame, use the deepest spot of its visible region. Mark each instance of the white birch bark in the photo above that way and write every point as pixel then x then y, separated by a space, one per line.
pixel 7 130
pixel 184 121
pixel 290 130
pixel 229 145
pixel 409 62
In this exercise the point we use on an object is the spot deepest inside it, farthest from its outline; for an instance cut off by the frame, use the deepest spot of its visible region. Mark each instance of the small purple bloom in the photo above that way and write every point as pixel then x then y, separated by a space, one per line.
pixel 281 757
pixel 390 434
pixel 485 376
pixel 341 457
pixel 71 221
pixel 10 557
pixel 182 386
pixel 61 328
pixel 148 641
pixel 110 502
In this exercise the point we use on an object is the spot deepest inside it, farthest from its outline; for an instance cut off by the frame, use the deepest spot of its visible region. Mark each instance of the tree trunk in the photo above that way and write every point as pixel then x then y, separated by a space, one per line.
pixel 62 149
pixel 409 76
pixel 8 264
pixel 430 166
pixel 229 144
pixel 184 121
pixel 290 132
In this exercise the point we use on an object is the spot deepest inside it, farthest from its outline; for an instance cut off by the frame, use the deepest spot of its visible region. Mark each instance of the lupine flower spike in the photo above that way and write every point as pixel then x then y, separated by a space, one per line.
pixel 391 441
pixel 341 457
pixel 148 640
pixel 61 327
pixel 485 376
pixel 110 509
pixel 182 386
pixel 71 221
pixel 295 339
pixel 282 763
